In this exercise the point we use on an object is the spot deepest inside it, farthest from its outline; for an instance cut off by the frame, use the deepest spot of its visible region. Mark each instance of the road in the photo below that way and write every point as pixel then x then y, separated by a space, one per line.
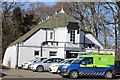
pixel 16 74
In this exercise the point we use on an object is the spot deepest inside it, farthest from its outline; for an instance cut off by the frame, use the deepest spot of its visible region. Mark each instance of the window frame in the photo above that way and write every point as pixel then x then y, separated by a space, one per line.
pixel 52 53
pixel 38 53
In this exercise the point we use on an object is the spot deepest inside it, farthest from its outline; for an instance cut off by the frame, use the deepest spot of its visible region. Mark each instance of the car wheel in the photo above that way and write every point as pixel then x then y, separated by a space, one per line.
pixel 58 71
pixel 108 75
pixel 74 74
pixel 28 67
pixel 39 69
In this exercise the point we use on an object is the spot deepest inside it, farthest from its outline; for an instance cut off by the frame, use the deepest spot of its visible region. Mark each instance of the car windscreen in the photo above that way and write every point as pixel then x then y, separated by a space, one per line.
pixel 39 60
pixel 66 61
pixel 33 60
pixel 77 61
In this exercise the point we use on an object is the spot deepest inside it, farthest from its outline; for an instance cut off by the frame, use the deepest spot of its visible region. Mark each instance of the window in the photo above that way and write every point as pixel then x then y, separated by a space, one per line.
pixel 72 35
pixel 36 53
pixel 71 55
pixel 48 61
pixel 52 53
pixel 87 60
pixel 58 60
pixel 77 61
pixel 51 35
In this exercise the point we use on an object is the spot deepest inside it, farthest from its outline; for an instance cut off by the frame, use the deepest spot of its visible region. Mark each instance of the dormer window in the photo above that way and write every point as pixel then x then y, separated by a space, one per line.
pixel 51 35
pixel 72 36
pixel 72 27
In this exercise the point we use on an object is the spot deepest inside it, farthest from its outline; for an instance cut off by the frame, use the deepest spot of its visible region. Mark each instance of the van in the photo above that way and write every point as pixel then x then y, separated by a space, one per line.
pixel 90 65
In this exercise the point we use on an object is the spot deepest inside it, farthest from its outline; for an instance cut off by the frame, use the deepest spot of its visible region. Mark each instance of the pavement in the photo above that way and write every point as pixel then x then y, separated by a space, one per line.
pixel 21 74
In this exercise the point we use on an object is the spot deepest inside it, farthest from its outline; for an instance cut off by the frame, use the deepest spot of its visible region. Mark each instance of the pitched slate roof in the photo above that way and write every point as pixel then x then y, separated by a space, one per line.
pixel 58 20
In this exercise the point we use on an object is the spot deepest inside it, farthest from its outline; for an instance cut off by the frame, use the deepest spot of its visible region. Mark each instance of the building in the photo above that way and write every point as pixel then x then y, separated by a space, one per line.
pixel 59 36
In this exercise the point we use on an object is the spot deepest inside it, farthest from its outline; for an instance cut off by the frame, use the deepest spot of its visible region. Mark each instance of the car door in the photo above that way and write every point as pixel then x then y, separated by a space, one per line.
pixel 86 66
pixel 47 63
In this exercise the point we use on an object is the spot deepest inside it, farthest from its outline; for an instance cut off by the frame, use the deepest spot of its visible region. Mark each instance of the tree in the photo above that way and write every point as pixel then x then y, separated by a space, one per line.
pixel 7 23
pixel 40 11
pixel 118 4
pixel 27 23
pixel 5 13
pixel 114 9
pixel 17 22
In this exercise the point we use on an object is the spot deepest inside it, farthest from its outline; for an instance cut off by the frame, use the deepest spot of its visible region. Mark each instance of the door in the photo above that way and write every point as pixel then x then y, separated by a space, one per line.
pixel 47 63
pixel 86 66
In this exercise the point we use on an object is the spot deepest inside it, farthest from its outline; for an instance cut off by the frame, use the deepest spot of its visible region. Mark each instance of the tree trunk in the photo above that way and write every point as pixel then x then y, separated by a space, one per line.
pixel 118 4
pixel 105 35
pixel 93 16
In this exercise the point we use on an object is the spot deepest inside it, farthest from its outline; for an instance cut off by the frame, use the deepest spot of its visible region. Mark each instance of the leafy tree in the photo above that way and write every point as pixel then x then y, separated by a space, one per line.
pixel 17 22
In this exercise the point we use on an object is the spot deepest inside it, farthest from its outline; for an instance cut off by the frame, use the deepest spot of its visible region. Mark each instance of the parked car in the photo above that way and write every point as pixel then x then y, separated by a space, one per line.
pixel 117 67
pixel 44 65
pixel 54 67
pixel 27 64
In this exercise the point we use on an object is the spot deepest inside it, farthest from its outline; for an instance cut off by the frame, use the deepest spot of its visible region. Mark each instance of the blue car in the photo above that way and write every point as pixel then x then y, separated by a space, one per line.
pixel 90 65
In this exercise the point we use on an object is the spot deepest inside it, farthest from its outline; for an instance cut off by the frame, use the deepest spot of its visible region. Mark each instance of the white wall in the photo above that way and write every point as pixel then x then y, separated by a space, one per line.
pixel 10 57
pixel 37 38
pixel 61 53
pixel 60 34
pixel 26 54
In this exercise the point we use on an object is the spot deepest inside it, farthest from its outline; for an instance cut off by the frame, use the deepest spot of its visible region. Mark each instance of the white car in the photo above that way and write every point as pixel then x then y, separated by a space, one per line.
pixel 53 68
pixel 27 64
pixel 44 65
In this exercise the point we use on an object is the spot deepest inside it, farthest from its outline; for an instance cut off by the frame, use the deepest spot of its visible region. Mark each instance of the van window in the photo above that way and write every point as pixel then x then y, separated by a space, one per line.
pixel 77 61
pixel 87 60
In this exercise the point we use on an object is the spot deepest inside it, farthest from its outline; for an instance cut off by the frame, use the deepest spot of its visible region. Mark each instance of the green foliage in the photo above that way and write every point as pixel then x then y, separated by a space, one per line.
pixel 17 22
pixel 14 26
pixel 27 20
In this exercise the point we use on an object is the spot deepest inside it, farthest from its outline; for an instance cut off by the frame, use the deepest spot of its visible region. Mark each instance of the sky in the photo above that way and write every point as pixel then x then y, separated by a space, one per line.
pixel 49 3
pixel 59 0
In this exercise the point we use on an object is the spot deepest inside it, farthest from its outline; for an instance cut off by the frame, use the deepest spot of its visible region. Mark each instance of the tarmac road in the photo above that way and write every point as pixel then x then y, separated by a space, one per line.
pixel 20 74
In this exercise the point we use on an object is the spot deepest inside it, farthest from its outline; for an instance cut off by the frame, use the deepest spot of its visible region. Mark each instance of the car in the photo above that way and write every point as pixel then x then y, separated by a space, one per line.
pixel 90 65
pixel 53 68
pixel 27 64
pixel 44 65
pixel 117 67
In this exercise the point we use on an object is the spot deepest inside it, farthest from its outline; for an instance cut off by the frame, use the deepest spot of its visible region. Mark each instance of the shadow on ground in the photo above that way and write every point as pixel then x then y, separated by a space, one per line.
pixel 95 78
pixel 2 74
pixel 3 67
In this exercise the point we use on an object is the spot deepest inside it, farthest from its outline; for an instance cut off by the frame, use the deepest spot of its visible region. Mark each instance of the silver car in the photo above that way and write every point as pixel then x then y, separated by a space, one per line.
pixel 44 65
pixel 27 64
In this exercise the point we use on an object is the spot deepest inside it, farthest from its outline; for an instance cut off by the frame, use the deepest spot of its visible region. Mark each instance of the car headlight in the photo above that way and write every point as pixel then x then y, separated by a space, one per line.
pixel 65 66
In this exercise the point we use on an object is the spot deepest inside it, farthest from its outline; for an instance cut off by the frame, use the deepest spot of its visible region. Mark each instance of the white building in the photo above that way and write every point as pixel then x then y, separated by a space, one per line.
pixel 60 36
